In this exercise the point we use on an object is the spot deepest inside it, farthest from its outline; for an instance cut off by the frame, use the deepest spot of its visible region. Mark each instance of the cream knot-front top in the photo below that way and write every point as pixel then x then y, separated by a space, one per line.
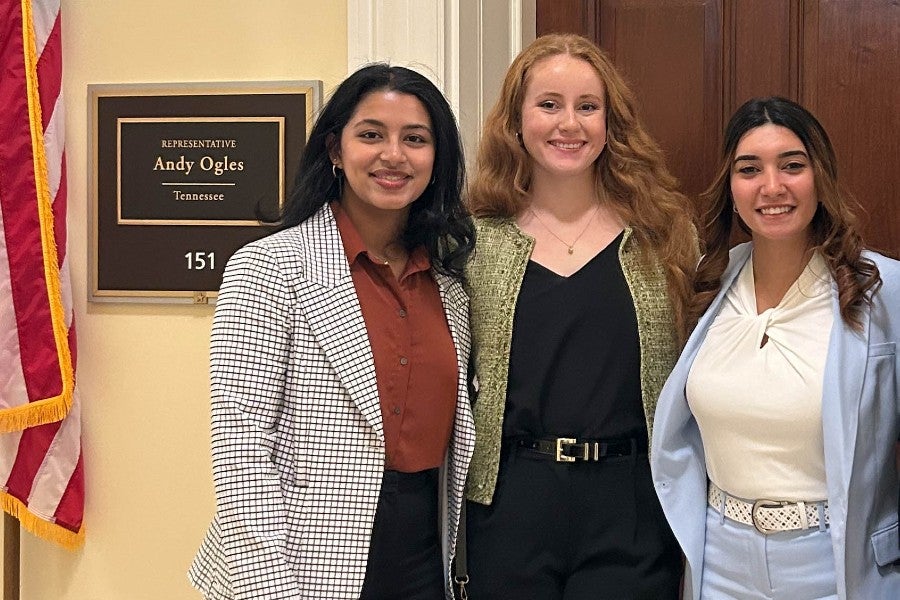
pixel 759 405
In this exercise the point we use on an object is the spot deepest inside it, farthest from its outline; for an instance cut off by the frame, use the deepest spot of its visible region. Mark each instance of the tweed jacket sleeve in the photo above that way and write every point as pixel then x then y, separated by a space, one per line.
pixel 656 321
pixel 494 278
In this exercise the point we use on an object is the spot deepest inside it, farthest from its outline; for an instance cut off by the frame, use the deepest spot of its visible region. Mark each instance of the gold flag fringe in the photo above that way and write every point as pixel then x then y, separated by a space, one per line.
pixel 46 530
pixel 35 413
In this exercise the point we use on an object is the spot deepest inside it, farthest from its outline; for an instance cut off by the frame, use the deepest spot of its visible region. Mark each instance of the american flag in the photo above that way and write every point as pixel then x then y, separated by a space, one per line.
pixel 41 475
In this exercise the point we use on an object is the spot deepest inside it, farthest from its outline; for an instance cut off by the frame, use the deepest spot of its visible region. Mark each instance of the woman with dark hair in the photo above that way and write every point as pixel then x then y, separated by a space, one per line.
pixel 774 452
pixel 578 288
pixel 339 357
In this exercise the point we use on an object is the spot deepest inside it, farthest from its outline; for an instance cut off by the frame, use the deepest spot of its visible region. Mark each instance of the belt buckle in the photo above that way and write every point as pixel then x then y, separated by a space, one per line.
pixel 765 504
pixel 560 457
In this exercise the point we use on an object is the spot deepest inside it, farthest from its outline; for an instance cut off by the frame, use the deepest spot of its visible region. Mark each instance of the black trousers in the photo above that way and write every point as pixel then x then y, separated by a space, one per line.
pixel 572 531
pixel 405 553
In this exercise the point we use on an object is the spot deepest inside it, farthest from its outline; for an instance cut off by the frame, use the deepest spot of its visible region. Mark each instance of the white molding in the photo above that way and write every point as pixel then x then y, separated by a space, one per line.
pixel 464 46
pixel 360 37
pixel 479 68
pixel 515 29
pixel 452 63
pixel 403 32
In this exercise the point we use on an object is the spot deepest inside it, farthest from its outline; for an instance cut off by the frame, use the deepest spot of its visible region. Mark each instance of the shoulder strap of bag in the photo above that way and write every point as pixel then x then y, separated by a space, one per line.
pixel 460 565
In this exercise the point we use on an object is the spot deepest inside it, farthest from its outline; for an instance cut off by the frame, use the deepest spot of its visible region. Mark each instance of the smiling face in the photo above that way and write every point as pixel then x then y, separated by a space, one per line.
pixel 773 185
pixel 563 117
pixel 386 153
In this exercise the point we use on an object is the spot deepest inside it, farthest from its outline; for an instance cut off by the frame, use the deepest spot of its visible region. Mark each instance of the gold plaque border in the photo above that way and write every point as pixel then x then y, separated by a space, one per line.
pixel 220 222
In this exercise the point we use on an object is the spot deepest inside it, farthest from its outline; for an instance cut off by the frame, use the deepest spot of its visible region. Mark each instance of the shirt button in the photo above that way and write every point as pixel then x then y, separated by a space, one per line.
pixel 402 313
pixel 404 360
pixel 396 410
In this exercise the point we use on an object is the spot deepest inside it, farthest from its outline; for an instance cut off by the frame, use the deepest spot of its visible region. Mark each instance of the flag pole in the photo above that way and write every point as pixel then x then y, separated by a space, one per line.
pixel 10 558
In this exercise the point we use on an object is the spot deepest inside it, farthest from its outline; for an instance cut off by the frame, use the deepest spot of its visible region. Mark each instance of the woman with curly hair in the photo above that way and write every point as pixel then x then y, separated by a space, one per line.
pixel 578 286
pixel 774 452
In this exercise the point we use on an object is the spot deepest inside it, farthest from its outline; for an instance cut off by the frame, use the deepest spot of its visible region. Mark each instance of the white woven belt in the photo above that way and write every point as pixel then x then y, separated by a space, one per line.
pixel 769 516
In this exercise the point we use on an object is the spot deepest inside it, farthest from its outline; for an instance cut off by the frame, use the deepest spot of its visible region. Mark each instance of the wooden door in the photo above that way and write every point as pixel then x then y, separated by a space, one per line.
pixel 691 63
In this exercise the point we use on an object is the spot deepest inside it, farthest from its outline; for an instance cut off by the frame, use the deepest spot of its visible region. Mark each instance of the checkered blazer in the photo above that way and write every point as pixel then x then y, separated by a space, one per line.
pixel 297 436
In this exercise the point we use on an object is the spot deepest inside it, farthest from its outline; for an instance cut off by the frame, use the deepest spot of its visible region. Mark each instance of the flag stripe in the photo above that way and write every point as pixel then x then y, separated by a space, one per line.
pixel 44 16
pixel 49 76
pixel 60 205
pixel 33 446
pixel 12 382
pixel 9 448
pixel 70 512
pixel 54 472
pixel 54 147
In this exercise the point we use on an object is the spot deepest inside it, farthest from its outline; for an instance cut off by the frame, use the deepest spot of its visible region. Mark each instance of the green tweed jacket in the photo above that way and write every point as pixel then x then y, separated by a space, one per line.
pixel 494 277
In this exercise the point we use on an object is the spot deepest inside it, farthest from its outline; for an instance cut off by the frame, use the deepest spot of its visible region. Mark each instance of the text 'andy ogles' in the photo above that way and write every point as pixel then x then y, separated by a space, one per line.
pixel 207 163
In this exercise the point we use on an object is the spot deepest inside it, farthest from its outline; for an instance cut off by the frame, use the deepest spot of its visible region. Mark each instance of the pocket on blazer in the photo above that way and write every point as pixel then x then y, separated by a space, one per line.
pixel 880 368
pixel 886 544
pixel 883 349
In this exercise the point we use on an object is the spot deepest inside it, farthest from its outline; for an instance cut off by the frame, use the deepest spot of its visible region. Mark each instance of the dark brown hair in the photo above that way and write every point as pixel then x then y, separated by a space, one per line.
pixel 438 219
pixel 834 225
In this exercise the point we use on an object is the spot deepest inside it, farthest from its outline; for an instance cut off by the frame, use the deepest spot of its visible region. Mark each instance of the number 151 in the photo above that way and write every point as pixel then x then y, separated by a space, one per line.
pixel 197 261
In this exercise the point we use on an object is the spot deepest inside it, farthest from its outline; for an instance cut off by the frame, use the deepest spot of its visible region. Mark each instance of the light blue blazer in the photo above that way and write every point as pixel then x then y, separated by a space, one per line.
pixel 861 424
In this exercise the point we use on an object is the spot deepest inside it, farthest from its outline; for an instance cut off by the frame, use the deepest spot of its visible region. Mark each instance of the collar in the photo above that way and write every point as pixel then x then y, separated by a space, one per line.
pixel 354 246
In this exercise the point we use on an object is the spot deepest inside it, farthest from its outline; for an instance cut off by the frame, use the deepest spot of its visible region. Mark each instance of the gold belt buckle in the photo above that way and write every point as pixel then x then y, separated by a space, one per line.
pixel 560 457
pixel 759 504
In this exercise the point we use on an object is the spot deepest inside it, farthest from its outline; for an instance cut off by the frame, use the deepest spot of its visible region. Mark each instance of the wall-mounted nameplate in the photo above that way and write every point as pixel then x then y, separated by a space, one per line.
pixel 181 175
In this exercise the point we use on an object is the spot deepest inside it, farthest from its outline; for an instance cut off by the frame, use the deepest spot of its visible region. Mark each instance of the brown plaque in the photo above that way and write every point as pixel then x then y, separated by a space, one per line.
pixel 181 175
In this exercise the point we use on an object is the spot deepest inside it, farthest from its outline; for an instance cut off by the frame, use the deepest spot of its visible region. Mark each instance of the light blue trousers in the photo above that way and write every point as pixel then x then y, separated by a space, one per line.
pixel 739 562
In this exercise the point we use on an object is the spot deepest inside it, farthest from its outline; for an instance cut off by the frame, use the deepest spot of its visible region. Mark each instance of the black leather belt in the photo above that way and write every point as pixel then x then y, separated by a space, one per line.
pixel 572 449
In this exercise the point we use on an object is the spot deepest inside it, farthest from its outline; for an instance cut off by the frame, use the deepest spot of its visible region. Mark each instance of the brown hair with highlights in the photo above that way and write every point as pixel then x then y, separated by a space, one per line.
pixel 834 225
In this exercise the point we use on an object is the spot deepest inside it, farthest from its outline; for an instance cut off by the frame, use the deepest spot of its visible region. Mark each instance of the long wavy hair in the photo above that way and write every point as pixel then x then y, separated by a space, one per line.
pixel 438 219
pixel 630 173
pixel 833 230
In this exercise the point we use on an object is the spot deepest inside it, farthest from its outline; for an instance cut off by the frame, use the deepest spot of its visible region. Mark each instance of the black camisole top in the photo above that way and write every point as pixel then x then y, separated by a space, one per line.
pixel 575 359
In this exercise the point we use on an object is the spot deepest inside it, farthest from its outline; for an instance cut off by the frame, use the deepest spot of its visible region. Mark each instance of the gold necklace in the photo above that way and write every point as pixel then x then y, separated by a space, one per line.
pixel 569 247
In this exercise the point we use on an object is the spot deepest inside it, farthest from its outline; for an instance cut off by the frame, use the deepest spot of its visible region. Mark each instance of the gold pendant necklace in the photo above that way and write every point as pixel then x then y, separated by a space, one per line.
pixel 569 247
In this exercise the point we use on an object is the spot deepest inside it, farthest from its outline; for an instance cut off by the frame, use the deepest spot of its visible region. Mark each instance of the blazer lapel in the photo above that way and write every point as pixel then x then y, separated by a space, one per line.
pixel 332 310
pixel 845 366
pixel 738 258
pixel 455 307
pixel 456 310
pixel 688 500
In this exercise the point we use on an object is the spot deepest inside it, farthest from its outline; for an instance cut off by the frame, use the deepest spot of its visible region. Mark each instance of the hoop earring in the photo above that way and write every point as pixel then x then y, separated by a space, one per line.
pixel 734 208
pixel 334 171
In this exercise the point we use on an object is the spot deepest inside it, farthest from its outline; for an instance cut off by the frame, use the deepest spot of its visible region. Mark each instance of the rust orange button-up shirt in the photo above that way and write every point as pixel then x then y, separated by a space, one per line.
pixel 415 360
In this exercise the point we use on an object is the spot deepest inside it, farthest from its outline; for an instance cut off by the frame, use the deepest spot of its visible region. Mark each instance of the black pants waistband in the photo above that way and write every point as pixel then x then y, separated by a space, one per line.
pixel 409 482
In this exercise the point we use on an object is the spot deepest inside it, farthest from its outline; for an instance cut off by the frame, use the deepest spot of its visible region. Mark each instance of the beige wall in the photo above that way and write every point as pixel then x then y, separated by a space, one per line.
pixel 142 370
